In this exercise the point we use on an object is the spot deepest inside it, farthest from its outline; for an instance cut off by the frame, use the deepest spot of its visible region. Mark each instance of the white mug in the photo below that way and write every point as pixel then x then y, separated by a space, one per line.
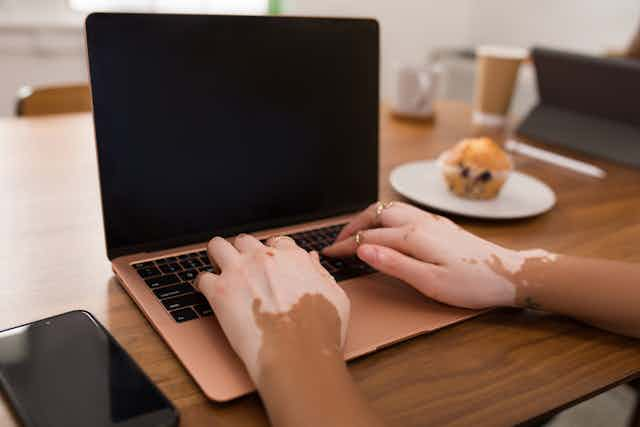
pixel 415 90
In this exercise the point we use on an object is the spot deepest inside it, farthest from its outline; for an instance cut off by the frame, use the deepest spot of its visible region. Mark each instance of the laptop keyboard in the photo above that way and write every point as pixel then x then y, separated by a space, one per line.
pixel 171 278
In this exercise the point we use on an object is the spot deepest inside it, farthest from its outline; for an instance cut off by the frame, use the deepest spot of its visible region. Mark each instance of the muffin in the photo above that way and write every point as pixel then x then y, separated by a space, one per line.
pixel 475 168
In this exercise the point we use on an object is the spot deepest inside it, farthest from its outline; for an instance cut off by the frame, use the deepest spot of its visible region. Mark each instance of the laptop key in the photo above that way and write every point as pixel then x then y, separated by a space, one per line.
pixel 183 301
pixel 345 275
pixel 183 256
pixel 170 268
pixel 337 263
pixel 189 275
pixel 204 310
pixel 329 267
pixel 148 272
pixel 173 291
pixel 184 315
pixel 171 259
pixel 190 263
pixel 169 279
pixel 141 265
pixel 161 261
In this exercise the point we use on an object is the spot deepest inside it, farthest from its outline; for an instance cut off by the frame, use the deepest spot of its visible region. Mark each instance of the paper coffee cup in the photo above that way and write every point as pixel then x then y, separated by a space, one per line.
pixel 496 75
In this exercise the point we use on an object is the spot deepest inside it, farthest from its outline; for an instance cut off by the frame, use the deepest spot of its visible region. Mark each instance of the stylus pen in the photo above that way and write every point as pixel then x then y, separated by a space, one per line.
pixel 556 159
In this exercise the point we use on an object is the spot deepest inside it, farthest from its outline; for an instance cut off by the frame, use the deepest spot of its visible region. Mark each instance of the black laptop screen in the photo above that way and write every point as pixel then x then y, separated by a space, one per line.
pixel 212 125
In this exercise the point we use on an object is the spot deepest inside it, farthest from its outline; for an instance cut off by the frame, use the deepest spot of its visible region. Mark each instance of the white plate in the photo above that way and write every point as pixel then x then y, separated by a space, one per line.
pixel 521 196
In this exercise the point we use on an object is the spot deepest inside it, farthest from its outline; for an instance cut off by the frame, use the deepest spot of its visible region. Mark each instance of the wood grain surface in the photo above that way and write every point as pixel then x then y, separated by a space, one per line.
pixel 502 368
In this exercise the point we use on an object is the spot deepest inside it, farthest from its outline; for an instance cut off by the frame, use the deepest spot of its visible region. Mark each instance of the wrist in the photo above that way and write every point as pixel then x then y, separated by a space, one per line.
pixel 506 264
pixel 316 391
pixel 530 279
pixel 304 385
pixel 285 367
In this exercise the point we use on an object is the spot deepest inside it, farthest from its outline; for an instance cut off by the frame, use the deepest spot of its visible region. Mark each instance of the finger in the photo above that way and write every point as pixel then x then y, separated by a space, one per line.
pixel 363 220
pixel 204 280
pixel 393 216
pixel 419 274
pixel 282 242
pixel 395 238
pixel 213 289
pixel 246 243
pixel 222 253
pixel 315 257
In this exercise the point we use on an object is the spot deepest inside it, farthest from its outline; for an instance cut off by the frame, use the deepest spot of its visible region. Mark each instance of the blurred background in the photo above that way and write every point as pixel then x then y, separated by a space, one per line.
pixel 41 41
pixel 41 44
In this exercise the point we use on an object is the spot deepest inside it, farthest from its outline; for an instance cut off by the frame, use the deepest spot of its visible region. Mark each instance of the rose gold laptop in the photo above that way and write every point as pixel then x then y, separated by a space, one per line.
pixel 215 125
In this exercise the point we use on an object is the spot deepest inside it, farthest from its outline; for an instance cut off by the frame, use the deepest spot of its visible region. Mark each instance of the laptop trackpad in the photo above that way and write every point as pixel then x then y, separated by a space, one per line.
pixel 385 310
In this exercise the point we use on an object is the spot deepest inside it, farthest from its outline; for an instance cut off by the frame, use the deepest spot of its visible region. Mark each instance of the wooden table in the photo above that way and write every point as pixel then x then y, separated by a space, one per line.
pixel 502 368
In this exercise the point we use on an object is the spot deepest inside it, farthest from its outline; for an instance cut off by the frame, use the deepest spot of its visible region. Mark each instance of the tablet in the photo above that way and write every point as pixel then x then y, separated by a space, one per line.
pixel 587 103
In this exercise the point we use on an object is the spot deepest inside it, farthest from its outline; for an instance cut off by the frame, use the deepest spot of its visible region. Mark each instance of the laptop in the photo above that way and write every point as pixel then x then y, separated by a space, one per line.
pixel 588 104
pixel 216 125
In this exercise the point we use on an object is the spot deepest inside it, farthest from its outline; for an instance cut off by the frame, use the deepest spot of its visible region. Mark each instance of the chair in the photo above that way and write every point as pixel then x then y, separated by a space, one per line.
pixel 39 101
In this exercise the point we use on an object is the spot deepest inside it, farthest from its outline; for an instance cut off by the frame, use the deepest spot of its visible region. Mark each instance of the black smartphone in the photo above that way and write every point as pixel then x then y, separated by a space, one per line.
pixel 68 371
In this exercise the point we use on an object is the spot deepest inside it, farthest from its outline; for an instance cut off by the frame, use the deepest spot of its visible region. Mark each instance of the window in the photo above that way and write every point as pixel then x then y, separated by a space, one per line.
pixel 176 6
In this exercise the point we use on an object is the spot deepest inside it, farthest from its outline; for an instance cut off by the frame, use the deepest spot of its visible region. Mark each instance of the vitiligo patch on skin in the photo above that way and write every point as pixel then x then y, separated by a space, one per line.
pixel 498 270
pixel 515 264
pixel 517 271
pixel 301 330
pixel 305 381
pixel 279 279
pixel 531 272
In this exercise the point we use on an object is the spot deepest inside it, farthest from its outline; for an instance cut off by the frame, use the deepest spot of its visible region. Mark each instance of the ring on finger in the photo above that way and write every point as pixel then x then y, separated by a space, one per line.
pixel 381 206
pixel 359 238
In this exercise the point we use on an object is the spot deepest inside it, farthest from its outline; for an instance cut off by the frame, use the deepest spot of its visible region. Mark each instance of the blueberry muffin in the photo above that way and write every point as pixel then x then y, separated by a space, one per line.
pixel 475 168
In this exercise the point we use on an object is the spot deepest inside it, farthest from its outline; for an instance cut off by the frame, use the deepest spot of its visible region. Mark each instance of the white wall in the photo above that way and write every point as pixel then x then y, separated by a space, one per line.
pixel 410 29
pixel 586 25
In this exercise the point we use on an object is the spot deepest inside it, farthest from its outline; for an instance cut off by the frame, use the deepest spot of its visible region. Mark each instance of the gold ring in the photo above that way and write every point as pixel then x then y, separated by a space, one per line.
pixel 359 238
pixel 382 206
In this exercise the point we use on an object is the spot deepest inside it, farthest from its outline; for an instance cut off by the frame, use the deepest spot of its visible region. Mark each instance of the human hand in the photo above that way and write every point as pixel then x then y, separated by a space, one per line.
pixel 274 300
pixel 433 255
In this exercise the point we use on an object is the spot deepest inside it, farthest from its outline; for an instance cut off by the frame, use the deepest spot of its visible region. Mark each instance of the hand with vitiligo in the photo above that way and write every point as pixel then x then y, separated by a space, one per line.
pixel 453 266
pixel 286 318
